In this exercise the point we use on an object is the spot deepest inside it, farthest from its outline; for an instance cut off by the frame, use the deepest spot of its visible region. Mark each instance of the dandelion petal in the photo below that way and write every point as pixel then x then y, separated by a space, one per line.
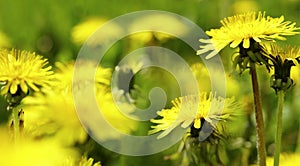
pixel 246 43
pixel 235 43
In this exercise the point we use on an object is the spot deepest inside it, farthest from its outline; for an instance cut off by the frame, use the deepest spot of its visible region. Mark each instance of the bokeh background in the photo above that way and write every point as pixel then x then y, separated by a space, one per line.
pixel 57 29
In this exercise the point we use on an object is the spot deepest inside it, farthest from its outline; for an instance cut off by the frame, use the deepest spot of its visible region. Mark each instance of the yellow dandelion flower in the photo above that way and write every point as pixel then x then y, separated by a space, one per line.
pixel 28 152
pixel 88 162
pixel 52 114
pixel 114 114
pixel 287 52
pixel 4 40
pixel 65 73
pixel 244 6
pixel 84 29
pixel 204 83
pixel 154 22
pixel 81 32
pixel 295 74
pixel 22 70
pixel 283 58
pixel 242 28
pixel 285 159
pixel 211 109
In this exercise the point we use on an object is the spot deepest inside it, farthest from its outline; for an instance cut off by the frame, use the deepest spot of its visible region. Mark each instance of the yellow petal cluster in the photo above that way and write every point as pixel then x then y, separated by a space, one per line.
pixel 191 109
pixel 23 70
pixel 243 27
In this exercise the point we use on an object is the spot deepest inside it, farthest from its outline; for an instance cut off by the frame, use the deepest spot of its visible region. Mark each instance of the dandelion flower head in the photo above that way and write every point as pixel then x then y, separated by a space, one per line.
pixel 285 159
pixel 282 52
pixel 88 162
pixel 208 107
pixel 240 29
pixel 22 70
pixel 65 75
pixel 83 30
pixel 52 114
pixel 33 152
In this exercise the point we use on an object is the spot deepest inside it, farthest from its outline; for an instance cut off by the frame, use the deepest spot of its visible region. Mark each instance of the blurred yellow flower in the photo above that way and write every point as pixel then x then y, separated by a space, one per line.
pixel 27 152
pixel 285 160
pixel 295 74
pixel 204 79
pixel 114 114
pixel 146 37
pixel 52 115
pixel 243 27
pixel 22 70
pixel 4 40
pixel 243 6
pixel 154 22
pixel 212 109
pixel 82 31
pixel 88 162
pixel 65 74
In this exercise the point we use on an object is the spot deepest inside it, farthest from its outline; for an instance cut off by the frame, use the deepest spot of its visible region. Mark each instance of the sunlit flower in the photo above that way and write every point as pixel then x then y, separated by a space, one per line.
pixel 240 29
pixel 153 22
pixel 244 6
pixel 65 74
pixel 29 152
pixel 114 112
pixel 81 32
pixel 84 29
pixel 204 81
pixel 210 109
pixel 148 37
pixel 4 40
pixel 285 159
pixel 88 162
pixel 22 70
pixel 114 123
pixel 283 58
pixel 53 115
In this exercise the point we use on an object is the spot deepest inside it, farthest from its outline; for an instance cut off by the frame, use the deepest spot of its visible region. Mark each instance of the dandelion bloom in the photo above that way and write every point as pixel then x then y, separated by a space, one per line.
pixel 34 152
pixel 282 58
pixel 280 55
pixel 286 159
pixel 88 162
pixel 244 27
pixel 64 76
pixel 22 70
pixel 89 27
pixel 52 114
pixel 211 109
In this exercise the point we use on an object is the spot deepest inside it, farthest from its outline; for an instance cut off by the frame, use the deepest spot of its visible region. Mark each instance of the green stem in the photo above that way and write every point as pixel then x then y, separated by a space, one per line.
pixel 261 149
pixel 280 95
pixel 15 116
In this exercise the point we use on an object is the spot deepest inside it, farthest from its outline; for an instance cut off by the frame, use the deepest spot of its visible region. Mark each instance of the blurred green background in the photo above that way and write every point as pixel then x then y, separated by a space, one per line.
pixel 45 27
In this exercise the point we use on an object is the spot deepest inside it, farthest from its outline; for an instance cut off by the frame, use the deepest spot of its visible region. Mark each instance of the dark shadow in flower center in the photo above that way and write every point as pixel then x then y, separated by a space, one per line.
pixel 203 132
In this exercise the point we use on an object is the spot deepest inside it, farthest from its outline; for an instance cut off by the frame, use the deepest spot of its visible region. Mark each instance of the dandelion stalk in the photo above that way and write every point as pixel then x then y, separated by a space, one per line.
pixel 15 116
pixel 261 149
pixel 280 95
